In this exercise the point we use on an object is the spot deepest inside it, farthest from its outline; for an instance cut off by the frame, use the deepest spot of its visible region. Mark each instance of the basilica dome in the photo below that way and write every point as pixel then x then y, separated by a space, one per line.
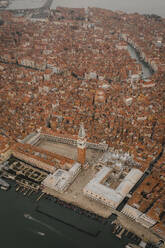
pixel 100 96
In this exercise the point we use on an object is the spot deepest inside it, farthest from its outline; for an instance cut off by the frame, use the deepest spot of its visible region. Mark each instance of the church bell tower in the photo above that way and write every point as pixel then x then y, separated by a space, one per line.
pixel 81 145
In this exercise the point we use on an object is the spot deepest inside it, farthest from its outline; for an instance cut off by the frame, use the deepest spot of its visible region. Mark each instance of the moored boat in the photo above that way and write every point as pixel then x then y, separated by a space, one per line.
pixel 4 185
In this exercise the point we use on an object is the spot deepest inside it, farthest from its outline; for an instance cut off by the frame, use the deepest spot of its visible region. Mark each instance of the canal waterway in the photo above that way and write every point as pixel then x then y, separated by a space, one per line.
pixel 146 70
pixel 22 225
pixel 26 223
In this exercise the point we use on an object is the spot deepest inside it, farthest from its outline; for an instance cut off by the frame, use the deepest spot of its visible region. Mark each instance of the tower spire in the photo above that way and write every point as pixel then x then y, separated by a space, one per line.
pixel 81 145
pixel 81 133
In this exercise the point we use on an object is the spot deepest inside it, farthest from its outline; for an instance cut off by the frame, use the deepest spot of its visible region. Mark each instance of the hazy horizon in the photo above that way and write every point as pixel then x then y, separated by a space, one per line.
pixel 130 6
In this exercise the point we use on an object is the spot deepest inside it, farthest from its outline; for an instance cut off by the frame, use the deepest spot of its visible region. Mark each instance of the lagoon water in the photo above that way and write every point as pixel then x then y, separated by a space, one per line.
pixel 130 6
pixel 141 6
pixel 21 225
pixel 39 231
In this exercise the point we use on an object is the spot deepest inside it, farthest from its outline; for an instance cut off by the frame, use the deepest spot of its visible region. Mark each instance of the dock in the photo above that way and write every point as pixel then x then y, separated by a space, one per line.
pixel 4 185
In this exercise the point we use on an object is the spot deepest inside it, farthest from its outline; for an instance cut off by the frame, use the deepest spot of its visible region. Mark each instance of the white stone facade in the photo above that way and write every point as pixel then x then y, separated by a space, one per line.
pixel 138 216
pixel 106 195
pixel 33 138
pixel 61 179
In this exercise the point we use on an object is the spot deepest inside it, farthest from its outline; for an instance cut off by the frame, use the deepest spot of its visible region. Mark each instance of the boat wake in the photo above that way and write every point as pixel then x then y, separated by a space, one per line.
pixel 37 232
pixel 41 233
pixel 28 216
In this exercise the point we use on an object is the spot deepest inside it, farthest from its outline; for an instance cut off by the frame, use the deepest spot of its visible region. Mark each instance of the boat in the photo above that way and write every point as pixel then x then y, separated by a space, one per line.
pixel 41 233
pixel 130 245
pixel 4 185
pixel 28 216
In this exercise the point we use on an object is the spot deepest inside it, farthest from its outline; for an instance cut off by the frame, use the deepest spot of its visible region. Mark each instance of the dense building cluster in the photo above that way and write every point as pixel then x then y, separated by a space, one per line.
pixel 4 148
pixel 148 200
pixel 41 158
pixel 74 67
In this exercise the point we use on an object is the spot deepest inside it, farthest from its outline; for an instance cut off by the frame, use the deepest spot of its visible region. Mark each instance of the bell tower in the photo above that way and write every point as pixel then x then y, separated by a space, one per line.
pixel 81 145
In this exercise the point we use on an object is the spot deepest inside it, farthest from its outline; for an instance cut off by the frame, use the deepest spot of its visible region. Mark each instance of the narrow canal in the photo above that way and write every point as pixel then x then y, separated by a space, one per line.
pixel 146 70
pixel 22 225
